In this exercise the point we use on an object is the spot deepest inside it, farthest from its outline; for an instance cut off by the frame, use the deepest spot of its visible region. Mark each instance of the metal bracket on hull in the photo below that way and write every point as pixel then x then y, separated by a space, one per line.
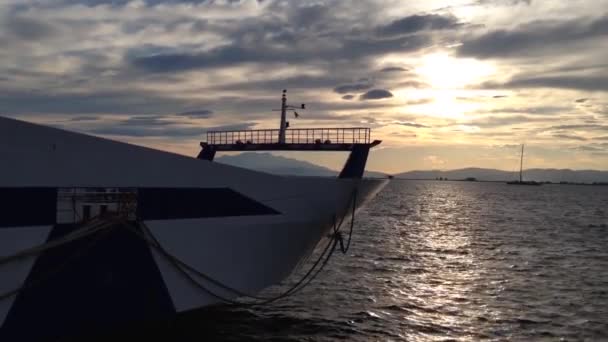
pixel 207 152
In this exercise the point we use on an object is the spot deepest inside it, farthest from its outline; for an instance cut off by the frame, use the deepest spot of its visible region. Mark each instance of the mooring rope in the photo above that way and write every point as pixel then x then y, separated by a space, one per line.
pixel 102 232
pixel 105 225
pixel 90 228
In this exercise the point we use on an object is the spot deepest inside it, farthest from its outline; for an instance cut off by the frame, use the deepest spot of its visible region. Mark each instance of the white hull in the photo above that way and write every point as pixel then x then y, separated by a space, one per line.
pixel 247 252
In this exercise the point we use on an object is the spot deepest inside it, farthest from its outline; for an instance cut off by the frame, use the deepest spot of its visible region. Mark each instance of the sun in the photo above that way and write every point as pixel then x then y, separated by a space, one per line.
pixel 448 79
pixel 441 71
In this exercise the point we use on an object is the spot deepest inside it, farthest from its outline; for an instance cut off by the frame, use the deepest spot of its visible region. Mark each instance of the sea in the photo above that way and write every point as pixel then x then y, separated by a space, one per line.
pixel 444 261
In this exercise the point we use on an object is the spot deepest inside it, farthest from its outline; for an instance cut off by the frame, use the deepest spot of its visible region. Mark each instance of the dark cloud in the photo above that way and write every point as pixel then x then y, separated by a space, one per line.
pixel 341 49
pixel 121 3
pixel 393 69
pixel 590 83
pixel 348 97
pixel 538 110
pixel 84 118
pixel 581 100
pixel 352 88
pixel 148 126
pixel 100 102
pixel 28 29
pixel 204 113
pixel 416 23
pixel 569 137
pixel 499 96
pixel 148 132
pixel 505 120
pixel 594 127
pixel 502 2
pixel 404 134
pixel 233 127
pixel 411 124
pixel 376 94
pixel 532 37
pixel 160 126
pixel 290 83
pixel 601 138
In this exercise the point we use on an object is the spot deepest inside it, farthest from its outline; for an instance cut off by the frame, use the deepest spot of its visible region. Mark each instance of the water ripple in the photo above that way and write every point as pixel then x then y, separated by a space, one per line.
pixel 447 261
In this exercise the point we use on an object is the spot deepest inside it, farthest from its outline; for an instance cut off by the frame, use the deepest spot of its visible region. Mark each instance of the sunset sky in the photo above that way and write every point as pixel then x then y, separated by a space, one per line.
pixel 444 84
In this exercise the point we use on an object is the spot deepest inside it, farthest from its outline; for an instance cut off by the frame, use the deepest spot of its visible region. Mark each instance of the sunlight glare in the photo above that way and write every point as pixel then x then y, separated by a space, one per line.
pixel 445 72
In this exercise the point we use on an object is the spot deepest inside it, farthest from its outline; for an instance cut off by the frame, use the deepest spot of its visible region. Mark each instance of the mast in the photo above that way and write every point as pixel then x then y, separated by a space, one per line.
pixel 283 117
pixel 521 163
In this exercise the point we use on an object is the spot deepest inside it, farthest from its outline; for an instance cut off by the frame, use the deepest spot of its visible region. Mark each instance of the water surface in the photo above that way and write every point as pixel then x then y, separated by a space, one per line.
pixel 439 261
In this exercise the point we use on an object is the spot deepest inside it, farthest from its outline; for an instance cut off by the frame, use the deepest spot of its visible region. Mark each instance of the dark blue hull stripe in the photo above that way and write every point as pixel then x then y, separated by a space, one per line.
pixel 38 206
pixel 27 206
pixel 89 285
pixel 179 203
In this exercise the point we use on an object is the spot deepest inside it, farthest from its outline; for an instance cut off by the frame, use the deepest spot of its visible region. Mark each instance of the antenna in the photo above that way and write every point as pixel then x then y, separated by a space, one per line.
pixel 284 108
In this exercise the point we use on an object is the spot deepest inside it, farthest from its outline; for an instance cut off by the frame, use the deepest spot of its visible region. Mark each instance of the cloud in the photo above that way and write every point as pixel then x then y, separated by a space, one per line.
pixel 28 29
pixel 128 101
pixel 569 137
pixel 263 50
pixel 538 110
pixel 204 113
pixel 148 126
pixel 353 87
pixel 149 132
pixel 84 118
pixel 393 69
pixel 601 138
pixel 376 94
pixel 594 127
pixel 413 84
pixel 506 120
pixel 411 124
pixel 348 97
pixel 160 126
pixel 232 127
pixel 502 2
pixel 581 100
pixel 590 83
pixel 416 23
pixel 533 37
pixel 589 148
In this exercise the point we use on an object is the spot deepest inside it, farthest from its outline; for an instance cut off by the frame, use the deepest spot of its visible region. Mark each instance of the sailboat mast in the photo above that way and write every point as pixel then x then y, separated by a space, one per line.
pixel 521 163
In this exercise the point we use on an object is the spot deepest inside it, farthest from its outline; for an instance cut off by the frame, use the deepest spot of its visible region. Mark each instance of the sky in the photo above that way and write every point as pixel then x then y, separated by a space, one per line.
pixel 443 84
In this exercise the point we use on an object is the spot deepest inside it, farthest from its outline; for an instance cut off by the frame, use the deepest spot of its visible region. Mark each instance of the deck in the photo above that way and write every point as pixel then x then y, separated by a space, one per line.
pixel 301 139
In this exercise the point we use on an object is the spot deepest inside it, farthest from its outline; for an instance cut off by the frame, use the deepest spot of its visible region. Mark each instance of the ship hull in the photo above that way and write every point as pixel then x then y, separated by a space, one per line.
pixel 234 232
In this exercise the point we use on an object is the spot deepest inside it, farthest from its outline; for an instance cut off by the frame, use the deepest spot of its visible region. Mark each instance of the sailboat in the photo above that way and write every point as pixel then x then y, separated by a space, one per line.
pixel 521 165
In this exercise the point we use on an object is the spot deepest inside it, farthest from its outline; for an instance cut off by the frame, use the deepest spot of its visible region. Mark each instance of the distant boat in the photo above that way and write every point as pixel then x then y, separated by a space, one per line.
pixel 521 166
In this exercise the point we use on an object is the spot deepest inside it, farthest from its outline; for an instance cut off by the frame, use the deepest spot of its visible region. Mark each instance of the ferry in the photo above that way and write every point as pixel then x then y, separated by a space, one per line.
pixel 96 234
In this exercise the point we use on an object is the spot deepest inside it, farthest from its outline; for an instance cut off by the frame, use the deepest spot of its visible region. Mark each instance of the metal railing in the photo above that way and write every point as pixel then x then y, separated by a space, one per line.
pixel 356 135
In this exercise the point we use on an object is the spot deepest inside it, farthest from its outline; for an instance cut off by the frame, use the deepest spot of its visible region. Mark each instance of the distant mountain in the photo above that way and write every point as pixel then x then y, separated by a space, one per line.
pixel 267 162
pixel 540 175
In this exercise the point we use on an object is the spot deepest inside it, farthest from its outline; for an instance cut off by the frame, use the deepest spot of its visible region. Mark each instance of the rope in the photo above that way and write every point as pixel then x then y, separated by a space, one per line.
pixel 146 235
pixel 344 249
pixel 45 276
pixel 91 228
pixel 185 269
pixel 312 273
